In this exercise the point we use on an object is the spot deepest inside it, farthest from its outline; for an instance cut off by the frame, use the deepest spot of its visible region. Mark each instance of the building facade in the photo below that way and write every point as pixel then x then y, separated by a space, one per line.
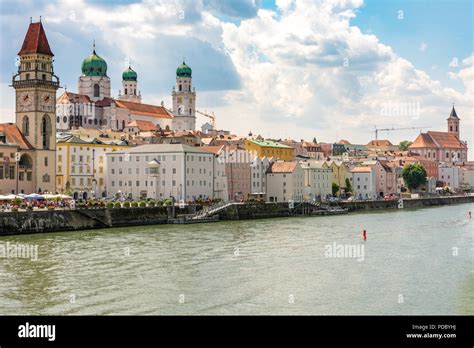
pixel 269 148
pixel 34 131
pixel 81 166
pixel 285 182
pixel 162 171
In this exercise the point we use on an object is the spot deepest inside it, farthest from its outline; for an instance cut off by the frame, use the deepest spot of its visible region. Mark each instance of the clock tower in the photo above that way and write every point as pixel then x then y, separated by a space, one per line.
pixel 184 100
pixel 35 86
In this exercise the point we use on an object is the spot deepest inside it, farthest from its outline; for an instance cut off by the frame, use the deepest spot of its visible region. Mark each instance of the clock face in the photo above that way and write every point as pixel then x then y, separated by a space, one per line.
pixel 25 100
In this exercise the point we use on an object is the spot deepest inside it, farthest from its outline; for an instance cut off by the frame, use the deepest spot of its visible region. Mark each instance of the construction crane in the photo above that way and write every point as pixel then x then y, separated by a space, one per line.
pixel 377 130
pixel 212 117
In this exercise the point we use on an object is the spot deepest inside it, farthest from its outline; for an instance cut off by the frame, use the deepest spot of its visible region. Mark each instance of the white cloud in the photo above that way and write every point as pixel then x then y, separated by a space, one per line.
pixel 423 46
pixel 304 71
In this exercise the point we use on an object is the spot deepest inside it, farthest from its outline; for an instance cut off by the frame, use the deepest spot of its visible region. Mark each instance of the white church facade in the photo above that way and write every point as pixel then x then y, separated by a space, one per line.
pixel 94 107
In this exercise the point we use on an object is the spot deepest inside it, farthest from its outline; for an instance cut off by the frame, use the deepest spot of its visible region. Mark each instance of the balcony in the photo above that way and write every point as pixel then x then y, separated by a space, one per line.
pixel 34 82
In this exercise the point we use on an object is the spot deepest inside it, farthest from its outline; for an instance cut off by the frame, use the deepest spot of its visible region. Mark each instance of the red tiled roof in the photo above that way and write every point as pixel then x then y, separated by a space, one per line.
pixel 282 167
pixel 214 149
pixel 106 101
pixel 361 170
pixel 437 140
pixel 445 139
pixel 143 125
pixel 380 143
pixel 15 136
pixel 35 41
pixel 144 109
pixel 68 97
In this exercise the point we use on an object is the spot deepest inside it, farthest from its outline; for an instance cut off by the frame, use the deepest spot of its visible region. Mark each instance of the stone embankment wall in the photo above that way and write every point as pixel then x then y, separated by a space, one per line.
pixel 407 203
pixel 83 219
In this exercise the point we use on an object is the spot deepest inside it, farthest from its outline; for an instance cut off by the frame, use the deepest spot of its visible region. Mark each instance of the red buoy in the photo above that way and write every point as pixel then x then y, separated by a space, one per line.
pixel 364 235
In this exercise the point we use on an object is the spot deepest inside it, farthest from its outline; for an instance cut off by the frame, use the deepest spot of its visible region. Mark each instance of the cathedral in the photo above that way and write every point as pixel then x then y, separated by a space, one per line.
pixel 442 146
pixel 31 164
pixel 94 107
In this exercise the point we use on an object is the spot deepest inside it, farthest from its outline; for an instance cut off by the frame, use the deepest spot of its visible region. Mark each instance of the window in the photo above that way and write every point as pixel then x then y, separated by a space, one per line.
pixel 46 161
pixel 26 125
pixel 96 90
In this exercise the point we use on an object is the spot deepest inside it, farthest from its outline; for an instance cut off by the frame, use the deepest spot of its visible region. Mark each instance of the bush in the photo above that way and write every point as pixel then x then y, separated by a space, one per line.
pixel 151 203
pixel 117 205
pixel 159 203
pixel 168 202
pixel 134 204
pixel 142 204
pixel 110 205
pixel 126 204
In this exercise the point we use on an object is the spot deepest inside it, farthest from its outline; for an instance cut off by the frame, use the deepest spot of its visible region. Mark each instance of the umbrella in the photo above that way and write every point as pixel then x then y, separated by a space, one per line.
pixel 34 196
pixel 49 196
pixel 9 197
pixel 63 196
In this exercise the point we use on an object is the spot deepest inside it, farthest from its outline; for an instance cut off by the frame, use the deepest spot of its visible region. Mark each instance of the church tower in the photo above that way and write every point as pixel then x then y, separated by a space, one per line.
pixel 130 87
pixel 94 81
pixel 453 123
pixel 35 87
pixel 184 100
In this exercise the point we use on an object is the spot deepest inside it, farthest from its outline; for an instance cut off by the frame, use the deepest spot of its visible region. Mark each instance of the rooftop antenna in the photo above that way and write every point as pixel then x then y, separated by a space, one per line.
pixel 93 45
pixel 31 19
pixel 40 19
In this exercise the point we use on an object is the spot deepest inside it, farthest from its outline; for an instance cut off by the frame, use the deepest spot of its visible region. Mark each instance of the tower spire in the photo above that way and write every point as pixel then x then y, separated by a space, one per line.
pixel 93 45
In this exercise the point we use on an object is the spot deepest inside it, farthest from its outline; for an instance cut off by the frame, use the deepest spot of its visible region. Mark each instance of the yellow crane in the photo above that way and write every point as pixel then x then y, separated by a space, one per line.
pixel 211 116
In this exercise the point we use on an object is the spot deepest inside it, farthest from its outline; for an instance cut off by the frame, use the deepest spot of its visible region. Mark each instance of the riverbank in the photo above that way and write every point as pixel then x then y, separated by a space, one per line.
pixel 27 222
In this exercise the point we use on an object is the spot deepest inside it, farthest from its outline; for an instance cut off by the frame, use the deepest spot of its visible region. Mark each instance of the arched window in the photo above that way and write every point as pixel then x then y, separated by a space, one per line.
pixel 451 128
pixel 180 88
pixel 46 131
pixel 134 91
pixel 125 91
pixel 26 125
pixel 97 90
pixel 123 124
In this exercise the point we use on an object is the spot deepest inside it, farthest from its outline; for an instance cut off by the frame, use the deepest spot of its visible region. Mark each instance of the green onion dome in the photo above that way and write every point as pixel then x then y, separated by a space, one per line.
pixel 183 70
pixel 94 66
pixel 129 75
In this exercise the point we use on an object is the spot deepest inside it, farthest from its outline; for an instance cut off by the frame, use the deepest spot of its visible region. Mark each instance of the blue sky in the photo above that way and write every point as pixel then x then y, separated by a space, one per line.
pixel 284 68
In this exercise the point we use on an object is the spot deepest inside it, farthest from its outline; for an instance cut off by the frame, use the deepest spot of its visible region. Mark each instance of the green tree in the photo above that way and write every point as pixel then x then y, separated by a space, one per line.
pixel 335 188
pixel 404 145
pixel 414 175
pixel 348 185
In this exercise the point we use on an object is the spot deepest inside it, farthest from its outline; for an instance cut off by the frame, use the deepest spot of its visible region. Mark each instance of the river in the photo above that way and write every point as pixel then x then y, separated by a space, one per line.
pixel 417 261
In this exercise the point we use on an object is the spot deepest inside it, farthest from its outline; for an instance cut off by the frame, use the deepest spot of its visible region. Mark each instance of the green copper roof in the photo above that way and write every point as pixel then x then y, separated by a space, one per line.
pixel 94 66
pixel 129 75
pixel 183 70
pixel 269 143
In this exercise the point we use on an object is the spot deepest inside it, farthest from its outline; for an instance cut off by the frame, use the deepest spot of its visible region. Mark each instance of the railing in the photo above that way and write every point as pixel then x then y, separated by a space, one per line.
pixel 210 210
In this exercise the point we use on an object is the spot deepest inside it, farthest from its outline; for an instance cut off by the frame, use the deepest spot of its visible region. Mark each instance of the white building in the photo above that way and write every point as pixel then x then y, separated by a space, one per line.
pixel 466 177
pixel 364 183
pixel 258 169
pixel 161 171
pixel 449 175
pixel 285 182
pixel 318 178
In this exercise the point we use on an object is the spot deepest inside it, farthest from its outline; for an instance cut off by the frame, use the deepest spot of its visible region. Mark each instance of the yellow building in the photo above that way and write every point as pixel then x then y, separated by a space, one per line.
pixel 341 172
pixel 81 165
pixel 269 149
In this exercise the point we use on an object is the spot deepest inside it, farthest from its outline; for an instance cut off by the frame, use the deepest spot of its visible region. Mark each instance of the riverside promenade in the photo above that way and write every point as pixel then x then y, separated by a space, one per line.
pixel 26 222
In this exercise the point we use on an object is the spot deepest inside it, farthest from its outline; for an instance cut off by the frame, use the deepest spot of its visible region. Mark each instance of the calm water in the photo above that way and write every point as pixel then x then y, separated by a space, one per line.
pixel 275 266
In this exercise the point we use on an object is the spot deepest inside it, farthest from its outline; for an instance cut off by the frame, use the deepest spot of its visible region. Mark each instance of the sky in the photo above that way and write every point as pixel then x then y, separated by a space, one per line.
pixel 302 69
